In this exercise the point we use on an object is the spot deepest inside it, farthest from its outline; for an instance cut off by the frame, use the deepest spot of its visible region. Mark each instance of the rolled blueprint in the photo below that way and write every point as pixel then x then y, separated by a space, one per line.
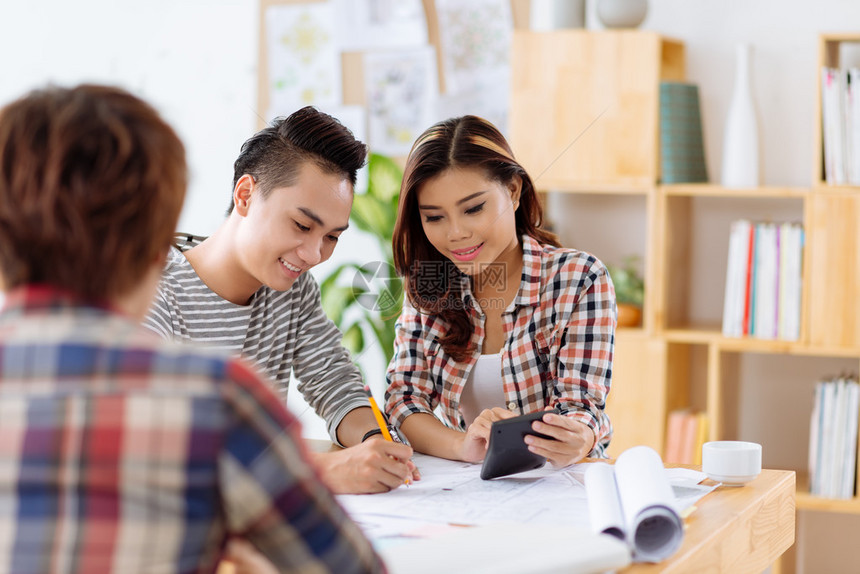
pixel 633 501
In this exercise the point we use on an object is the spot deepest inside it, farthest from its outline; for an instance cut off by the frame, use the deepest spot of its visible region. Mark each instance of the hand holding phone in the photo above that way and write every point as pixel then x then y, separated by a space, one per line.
pixel 507 453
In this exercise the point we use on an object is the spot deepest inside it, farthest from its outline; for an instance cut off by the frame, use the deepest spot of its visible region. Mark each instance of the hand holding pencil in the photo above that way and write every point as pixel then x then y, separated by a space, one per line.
pixel 383 427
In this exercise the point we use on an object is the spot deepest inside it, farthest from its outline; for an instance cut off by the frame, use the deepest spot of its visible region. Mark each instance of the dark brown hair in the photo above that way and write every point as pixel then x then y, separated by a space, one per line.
pixel 274 155
pixel 92 182
pixel 464 142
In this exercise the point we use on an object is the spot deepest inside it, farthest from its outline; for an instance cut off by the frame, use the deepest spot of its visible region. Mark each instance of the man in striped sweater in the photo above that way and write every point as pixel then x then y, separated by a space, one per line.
pixel 246 290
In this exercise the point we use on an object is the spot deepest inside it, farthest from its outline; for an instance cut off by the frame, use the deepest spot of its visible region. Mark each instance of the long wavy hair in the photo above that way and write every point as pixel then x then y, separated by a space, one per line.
pixel 432 280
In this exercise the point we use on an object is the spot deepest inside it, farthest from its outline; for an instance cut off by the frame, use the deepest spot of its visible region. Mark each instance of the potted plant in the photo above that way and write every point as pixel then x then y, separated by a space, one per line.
pixel 629 290
pixel 366 297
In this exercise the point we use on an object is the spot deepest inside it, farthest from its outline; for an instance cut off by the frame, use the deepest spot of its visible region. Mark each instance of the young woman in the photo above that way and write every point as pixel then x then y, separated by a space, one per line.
pixel 499 319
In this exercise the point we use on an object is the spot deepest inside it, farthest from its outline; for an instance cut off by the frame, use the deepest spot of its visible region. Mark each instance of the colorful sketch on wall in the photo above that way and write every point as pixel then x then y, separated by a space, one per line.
pixel 303 56
pixel 401 89
pixel 371 24
pixel 477 37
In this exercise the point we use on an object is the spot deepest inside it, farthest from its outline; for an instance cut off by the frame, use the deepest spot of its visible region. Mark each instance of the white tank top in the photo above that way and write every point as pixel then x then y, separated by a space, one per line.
pixel 483 388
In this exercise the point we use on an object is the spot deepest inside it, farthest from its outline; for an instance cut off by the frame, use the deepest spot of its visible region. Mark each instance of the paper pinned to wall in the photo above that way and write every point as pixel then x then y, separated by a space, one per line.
pixel 303 56
pixel 477 38
pixel 371 24
pixel 401 90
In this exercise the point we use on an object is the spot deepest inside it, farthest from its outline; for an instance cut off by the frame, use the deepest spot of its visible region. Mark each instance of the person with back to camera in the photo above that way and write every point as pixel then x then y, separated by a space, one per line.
pixel 246 288
pixel 499 320
pixel 122 452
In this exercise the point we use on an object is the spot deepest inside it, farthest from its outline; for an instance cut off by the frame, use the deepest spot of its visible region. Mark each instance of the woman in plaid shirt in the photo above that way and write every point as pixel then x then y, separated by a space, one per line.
pixel 499 319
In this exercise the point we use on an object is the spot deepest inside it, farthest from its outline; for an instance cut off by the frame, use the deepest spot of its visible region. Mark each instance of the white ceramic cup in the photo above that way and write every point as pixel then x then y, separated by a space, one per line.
pixel 731 462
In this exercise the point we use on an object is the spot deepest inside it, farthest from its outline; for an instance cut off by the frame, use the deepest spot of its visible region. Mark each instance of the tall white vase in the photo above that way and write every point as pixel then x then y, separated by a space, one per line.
pixel 741 144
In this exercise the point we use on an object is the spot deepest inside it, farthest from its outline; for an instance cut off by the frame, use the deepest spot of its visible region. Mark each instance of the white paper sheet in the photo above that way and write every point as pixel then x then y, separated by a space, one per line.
pixel 303 57
pixel 476 37
pixel 452 492
pixel 498 549
pixel 401 91
pixel 370 24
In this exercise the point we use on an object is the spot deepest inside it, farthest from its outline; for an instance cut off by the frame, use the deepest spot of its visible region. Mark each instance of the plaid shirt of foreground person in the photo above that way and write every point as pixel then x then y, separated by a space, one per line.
pixel 559 340
pixel 120 452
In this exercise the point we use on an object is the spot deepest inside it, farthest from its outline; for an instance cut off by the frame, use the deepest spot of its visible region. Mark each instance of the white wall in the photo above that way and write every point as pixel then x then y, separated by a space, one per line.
pixel 194 60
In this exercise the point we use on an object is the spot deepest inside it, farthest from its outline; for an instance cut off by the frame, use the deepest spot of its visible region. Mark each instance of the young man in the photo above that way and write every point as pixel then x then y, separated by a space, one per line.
pixel 246 290
pixel 121 452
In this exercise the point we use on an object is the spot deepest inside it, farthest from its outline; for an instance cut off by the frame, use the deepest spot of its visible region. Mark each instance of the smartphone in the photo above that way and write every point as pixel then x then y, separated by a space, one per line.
pixel 507 452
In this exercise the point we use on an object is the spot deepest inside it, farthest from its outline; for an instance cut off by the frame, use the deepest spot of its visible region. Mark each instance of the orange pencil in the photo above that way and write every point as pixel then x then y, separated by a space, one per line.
pixel 380 420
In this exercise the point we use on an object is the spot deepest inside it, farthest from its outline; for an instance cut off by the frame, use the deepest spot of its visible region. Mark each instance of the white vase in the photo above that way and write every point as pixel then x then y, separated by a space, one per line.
pixel 547 15
pixel 622 13
pixel 740 142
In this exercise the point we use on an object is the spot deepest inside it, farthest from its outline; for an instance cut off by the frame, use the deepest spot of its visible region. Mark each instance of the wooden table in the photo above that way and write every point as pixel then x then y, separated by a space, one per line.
pixel 733 529
pixel 736 529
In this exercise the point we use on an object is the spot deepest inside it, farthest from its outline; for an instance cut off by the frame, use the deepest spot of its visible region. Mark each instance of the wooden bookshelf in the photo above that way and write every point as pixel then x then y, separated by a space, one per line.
pixel 654 366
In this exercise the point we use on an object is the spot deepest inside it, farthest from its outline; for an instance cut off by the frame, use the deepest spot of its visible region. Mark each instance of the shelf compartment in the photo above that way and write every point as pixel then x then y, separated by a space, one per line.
pixel 694 241
pixel 581 219
pixel 717 191
pixel 829 48
pixel 649 379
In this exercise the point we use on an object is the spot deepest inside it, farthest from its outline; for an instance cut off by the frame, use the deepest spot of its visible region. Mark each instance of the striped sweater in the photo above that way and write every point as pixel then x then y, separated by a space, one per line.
pixel 278 331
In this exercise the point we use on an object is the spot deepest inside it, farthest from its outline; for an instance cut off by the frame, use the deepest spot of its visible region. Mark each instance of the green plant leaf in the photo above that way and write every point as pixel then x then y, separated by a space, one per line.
pixel 372 215
pixel 384 177
pixel 353 339
pixel 384 333
pixel 336 300
pixel 629 286
pixel 336 273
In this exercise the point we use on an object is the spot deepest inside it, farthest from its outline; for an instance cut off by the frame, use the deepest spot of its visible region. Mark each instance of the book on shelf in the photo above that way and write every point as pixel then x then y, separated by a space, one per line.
pixel 833 438
pixel 686 432
pixel 763 280
pixel 682 151
pixel 840 125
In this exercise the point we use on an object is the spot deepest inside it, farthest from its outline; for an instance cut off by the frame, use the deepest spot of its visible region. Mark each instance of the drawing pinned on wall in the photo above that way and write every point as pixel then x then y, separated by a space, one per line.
pixel 477 37
pixel 303 56
pixel 371 24
pixel 401 90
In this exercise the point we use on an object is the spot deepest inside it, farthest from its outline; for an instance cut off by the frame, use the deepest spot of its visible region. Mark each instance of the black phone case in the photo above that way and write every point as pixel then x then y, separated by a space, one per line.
pixel 507 453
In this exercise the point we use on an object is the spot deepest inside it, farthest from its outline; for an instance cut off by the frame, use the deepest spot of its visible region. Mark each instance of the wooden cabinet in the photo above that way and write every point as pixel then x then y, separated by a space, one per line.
pixel 593 98
pixel 584 121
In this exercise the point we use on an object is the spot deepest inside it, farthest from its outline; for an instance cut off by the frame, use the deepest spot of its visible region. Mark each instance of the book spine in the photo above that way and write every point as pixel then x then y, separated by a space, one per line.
pixel 748 279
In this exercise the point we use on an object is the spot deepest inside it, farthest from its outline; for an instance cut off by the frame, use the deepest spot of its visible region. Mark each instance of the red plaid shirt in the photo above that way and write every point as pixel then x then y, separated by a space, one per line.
pixel 559 340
